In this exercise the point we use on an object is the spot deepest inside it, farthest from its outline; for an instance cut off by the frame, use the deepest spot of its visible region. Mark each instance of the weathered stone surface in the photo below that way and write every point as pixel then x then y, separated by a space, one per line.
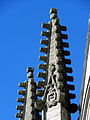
pixel 45 33
pixel 54 89
pixel 54 113
pixel 57 113
pixel 42 75
pixel 22 92
pixel 19 115
pixel 45 41
pixel 39 105
pixel 53 10
pixel 47 25
pixel 43 58
pixel 24 84
pixel 44 49
pixel 30 112
pixel 53 16
pixel 40 84
pixel 40 93
pixel 21 99
pixel 20 107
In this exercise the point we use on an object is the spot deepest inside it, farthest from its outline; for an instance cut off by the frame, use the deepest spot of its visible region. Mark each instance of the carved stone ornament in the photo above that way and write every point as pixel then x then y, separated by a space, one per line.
pixel 51 96
pixel 51 91
pixel 54 88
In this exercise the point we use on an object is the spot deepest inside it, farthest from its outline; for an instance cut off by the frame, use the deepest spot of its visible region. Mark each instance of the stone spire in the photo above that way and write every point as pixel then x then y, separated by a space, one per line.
pixel 27 110
pixel 55 92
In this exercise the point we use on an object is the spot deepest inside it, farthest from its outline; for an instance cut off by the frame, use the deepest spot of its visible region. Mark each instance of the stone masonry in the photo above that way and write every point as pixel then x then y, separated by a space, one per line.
pixel 50 98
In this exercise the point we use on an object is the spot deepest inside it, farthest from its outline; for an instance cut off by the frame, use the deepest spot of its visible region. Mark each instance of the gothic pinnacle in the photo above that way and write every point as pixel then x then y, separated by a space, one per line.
pixel 53 92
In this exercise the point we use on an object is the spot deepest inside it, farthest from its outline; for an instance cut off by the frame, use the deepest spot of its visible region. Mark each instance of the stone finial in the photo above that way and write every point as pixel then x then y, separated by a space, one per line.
pixel 30 72
pixel 53 10
pixel 53 13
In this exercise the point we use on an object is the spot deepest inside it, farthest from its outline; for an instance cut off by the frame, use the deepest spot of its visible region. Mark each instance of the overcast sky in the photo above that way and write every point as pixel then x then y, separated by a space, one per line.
pixel 20 28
